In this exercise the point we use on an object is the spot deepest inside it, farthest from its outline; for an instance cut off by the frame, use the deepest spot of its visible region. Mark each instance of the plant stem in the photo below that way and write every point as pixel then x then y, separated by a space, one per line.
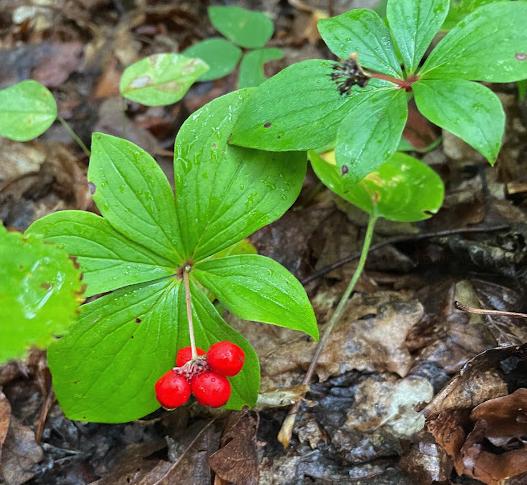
pixel 284 436
pixel 76 138
pixel 186 282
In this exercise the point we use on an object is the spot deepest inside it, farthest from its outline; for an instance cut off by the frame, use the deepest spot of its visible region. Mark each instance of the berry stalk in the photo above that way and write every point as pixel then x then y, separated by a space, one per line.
pixel 284 436
pixel 188 302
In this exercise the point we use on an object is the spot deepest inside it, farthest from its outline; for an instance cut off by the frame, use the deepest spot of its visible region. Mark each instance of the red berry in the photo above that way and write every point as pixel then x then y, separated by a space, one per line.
pixel 211 389
pixel 185 354
pixel 172 390
pixel 225 358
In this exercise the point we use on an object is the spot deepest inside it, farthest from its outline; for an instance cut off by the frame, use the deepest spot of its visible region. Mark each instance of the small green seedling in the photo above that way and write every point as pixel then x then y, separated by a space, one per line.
pixel 27 109
pixel 40 291
pixel 359 105
pixel 403 189
pixel 244 29
pixel 160 79
pixel 157 258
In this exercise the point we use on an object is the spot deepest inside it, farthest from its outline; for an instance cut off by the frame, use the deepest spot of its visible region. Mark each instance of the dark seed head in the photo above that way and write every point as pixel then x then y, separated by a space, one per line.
pixel 348 74
pixel 267 124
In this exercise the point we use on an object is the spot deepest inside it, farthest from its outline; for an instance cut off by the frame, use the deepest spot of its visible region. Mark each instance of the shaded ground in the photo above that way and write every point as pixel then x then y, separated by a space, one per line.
pixel 402 339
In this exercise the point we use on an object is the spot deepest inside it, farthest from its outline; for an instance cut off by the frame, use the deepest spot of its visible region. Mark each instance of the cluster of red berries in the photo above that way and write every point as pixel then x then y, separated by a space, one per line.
pixel 205 377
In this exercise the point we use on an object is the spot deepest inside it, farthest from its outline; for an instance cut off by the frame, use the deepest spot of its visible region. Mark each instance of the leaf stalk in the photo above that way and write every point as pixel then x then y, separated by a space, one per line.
pixel 188 302
pixel 284 436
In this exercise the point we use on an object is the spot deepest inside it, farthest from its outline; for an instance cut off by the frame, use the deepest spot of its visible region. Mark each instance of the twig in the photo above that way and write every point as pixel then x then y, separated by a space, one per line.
pixel 479 311
pixel 401 239
pixel 284 436
pixel 43 414
pixel 188 302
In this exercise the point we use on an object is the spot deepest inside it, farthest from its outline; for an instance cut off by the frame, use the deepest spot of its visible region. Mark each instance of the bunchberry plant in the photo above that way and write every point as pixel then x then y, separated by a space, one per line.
pixel 403 189
pixel 243 29
pixel 160 79
pixel 359 104
pixel 40 291
pixel 156 259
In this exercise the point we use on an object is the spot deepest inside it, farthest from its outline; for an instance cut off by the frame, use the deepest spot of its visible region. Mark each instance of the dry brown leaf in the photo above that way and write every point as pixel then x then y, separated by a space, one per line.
pixel 237 461
pixel 39 178
pixel 20 453
pixel 370 337
pixel 479 393
pixel 502 422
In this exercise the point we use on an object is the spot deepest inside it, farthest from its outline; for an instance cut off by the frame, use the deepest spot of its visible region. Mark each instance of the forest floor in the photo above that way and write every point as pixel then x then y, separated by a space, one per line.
pixel 402 355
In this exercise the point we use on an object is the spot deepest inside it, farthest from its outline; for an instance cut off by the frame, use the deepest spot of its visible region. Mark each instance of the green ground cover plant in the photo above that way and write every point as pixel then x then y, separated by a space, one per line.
pixel 242 29
pixel 144 245
pixel 359 105
pixel 161 264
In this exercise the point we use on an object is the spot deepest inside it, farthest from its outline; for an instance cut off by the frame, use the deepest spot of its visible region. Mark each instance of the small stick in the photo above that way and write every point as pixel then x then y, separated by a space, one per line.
pixel 186 282
pixel 401 239
pixel 479 311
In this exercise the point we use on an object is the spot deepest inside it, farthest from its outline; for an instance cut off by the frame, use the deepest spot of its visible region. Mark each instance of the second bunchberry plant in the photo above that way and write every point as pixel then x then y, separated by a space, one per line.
pixel 359 105
pixel 105 368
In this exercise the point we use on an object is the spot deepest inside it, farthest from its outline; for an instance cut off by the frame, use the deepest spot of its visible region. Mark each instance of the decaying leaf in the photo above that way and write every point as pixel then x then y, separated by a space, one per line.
pixel 390 403
pixel 370 337
pixel 20 453
pixel 478 423
pixel 236 461
pixel 426 463
pixel 496 448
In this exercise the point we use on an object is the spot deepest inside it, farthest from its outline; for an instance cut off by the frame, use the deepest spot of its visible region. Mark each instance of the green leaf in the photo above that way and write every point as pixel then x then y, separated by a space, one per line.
pixel 298 109
pixel 226 193
pixel 403 189
pixel 243 27
pixel 105 369
pixel 257 288
pixel 467 109
pixel 134 196
pixel 252 66
pixel 361 31
pixel 371 132
pixel 40 291
pixel 241 247
pixel 490 45
pixel 220 55
pixel 160 79
pixel 107 259
pixel 27 109
pixel 459 9
pixel 413 25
